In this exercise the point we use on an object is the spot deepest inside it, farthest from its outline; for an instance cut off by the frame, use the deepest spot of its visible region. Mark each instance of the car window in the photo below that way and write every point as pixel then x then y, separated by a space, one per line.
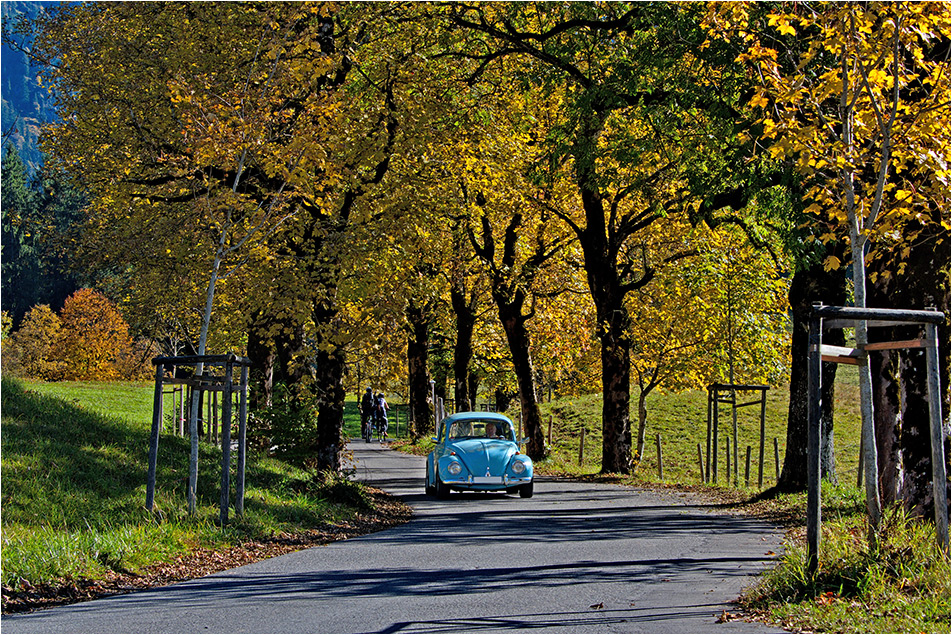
pixel 480 429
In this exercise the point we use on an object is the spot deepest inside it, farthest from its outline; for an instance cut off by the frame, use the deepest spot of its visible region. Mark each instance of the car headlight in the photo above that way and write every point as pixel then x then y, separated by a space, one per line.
pixel 518 467
pixel 454 468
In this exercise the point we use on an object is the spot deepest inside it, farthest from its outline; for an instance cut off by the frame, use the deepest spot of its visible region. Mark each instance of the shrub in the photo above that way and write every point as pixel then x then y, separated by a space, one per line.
pixel 95 333
pixel 36 349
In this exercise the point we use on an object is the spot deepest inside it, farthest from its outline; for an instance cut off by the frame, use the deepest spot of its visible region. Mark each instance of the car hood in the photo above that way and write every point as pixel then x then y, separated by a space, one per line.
pixel 479 454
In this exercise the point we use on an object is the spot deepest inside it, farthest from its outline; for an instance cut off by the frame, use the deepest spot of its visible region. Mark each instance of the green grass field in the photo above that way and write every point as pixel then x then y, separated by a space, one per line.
pixel 74 459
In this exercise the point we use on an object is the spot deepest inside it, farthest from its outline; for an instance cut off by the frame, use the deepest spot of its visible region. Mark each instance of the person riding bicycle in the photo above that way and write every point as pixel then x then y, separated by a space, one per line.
pixel 381 407
pixel 367 406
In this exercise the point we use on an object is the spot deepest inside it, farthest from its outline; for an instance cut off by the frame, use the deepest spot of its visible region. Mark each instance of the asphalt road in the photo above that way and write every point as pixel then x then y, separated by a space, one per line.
pixel 575 558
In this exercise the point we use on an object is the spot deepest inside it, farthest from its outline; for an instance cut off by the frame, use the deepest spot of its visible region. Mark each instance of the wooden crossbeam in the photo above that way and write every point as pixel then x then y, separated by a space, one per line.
pixel 839 354
pixel 889 346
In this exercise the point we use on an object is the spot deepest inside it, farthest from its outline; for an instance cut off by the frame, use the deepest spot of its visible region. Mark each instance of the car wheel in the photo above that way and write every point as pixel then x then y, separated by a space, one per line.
pixel 429 489
pixel 526 490
pixel 442 489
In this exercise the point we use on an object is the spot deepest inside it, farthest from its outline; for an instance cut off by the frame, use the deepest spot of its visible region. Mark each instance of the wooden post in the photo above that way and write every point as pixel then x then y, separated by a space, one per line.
pixel 707 475
pixel 714 439
pixel 242 438
pixel 747 469
pixel 736 441
pixel 154 436
pixel 660 459
pixel 763 436
pixel 776 457
pixel 860 467
pixel 814 408
pixel 207 397
pixel 581 446
pixel 181 412
pixel 216 424
pixel 727 458
pixel 938 445
pixel 226 444
pixel 193 443
pixel 700 462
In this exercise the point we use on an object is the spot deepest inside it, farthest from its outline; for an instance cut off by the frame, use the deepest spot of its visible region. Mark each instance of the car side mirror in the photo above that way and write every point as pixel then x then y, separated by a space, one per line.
pixel 523 441
pixel 435 439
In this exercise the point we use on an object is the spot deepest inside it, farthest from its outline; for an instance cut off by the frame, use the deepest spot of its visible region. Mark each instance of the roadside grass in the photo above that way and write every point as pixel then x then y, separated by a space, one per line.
pixel 903 587
pixel 73 494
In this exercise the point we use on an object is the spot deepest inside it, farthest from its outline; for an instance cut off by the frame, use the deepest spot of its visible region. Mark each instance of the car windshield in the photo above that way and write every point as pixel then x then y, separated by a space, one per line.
pixel 470 428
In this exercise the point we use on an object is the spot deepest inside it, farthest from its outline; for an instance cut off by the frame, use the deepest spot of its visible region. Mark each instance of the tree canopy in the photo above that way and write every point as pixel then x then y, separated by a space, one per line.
pixel 586 196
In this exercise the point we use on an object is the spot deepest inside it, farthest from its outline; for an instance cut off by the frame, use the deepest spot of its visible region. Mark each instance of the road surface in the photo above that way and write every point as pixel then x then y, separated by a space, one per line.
pixel 575 558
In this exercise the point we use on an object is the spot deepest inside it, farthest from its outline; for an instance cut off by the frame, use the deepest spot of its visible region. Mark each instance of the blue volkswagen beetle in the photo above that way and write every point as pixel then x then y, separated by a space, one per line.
pixel 477 451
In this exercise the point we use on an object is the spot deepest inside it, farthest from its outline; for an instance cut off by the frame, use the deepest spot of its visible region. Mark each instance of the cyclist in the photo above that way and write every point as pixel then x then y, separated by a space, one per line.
pixel 381 407
pixel 367 407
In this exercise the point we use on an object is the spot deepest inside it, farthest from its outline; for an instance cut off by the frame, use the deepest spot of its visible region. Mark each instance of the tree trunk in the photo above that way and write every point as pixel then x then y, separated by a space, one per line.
pixel 417 362
pixel 329 384
pixel 902 407
pixel 514 324
pixel 463 351
pixel 262 357
pixel 616 390
pixel 642 422
pixel 809 286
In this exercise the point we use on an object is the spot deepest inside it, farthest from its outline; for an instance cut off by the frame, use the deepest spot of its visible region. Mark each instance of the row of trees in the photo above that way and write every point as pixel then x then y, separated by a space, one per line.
pixel 612 183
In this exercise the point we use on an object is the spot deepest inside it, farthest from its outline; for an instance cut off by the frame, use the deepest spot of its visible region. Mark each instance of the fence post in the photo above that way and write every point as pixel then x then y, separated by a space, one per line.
pixel 242 438
pixel 700 461
pixel 747 469
pixel 714 439
pixel 581 446
pixel 660 460
pixel 728 458
pixel 707 475
pixel 938 445
pixel 776 457
pixel 154 436
pixel 763 436
pixel 226 444
pixel 814 387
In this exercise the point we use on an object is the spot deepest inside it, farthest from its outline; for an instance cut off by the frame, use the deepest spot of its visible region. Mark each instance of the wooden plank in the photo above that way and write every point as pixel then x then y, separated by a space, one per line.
pixel 872 324
pixel 750 403
pixel 892 316
pixel 890 346
pixel 832 359
pixel 839 354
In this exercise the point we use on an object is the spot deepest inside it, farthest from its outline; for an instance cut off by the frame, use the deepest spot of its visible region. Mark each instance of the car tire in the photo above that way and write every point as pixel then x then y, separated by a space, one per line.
pixel 429 489
pixel 526 490
pixel 442 489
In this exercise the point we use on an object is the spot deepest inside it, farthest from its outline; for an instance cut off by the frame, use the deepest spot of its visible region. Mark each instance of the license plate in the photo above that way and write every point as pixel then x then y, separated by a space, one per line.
pixel 487 480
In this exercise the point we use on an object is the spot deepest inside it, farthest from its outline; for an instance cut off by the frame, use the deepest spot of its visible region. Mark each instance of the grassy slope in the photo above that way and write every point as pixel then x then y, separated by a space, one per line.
pixel 73 474
pixel 681 420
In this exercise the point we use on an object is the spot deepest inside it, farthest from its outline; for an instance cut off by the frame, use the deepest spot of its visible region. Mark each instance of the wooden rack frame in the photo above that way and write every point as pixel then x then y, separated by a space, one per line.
pixel 828 317
pixel 727 393
pixel 208 383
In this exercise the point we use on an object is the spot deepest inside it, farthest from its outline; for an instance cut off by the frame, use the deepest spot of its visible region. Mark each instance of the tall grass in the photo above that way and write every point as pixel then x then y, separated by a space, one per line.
pixel 902 587
pixel 74 487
